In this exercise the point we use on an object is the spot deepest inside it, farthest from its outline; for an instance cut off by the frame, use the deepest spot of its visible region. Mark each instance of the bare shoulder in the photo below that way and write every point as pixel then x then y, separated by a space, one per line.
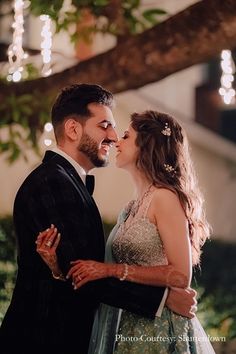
pixel 165 199
pixel 165 195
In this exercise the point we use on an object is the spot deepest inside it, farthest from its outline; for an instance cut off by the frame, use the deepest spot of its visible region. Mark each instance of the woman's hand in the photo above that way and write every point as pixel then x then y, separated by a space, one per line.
pixel 82 272
pixel 47 242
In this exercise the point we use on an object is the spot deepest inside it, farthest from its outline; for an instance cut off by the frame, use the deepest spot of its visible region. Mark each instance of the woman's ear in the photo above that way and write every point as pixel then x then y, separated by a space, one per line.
pixel 73 129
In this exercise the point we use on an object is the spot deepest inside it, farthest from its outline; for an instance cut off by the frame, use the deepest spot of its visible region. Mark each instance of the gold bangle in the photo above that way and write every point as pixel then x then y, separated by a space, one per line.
pixel 126 272
pixel 59 277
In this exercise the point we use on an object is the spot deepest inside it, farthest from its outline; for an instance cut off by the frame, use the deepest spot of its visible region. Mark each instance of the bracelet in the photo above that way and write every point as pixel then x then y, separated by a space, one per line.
pixel 59 277
pixel 126 272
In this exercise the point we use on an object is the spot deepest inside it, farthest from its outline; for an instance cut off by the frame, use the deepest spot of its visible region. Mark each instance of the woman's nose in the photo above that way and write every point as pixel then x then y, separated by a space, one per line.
pixel 117 144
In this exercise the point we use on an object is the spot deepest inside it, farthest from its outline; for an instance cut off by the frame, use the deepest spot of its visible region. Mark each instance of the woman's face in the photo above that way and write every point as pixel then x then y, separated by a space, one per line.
pixel 127 150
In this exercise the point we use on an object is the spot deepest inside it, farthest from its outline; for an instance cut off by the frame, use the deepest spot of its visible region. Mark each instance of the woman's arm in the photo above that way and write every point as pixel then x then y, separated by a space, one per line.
pixel 166 212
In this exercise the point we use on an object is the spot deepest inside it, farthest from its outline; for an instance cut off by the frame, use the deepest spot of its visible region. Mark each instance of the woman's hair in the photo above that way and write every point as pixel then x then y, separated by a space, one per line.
pixel 165 160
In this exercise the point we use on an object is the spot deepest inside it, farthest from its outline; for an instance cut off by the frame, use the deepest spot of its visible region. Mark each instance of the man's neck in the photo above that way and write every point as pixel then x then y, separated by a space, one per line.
pixel 78 157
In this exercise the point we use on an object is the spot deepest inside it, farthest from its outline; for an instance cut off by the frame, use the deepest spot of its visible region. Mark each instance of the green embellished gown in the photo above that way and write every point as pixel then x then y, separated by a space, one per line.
pixel 120 332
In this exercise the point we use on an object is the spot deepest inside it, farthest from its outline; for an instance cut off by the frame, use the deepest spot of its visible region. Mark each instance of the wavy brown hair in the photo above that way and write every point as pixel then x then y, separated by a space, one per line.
pixel 157 150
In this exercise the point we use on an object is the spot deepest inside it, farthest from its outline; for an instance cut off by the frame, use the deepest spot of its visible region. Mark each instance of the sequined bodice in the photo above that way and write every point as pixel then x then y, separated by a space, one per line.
pixel 139 242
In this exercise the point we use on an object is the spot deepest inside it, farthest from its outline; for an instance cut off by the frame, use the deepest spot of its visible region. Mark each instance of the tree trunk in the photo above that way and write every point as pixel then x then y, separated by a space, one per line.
pixel 190 37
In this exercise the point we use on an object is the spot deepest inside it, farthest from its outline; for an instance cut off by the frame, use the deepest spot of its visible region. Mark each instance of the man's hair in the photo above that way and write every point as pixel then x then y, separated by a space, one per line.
pixel 74 100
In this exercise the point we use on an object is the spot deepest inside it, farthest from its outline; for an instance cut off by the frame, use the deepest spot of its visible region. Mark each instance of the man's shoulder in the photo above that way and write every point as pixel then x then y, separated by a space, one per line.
pixel 47 171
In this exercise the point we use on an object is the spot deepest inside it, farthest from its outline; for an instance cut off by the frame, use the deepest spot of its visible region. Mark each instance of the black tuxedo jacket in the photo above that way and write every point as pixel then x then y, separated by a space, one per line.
pixel 46 315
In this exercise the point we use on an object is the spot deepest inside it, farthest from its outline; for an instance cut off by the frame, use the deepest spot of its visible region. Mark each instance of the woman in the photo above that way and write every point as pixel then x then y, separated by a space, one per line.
pixel 157 240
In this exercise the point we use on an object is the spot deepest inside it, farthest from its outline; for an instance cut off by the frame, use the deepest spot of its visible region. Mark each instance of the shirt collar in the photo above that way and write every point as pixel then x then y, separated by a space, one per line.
pixel 81 172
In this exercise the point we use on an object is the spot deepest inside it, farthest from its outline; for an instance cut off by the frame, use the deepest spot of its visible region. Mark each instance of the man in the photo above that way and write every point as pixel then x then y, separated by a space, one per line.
pixel 47 315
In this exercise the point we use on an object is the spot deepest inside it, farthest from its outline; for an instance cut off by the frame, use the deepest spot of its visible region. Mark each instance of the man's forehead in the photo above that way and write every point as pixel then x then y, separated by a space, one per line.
pixel 101 113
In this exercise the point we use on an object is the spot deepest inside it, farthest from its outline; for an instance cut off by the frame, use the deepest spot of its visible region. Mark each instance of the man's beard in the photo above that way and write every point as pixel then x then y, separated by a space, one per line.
pixel 89 147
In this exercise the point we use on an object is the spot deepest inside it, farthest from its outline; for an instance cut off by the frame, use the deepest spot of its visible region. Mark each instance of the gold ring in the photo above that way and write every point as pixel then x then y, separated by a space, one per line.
pixel 48 243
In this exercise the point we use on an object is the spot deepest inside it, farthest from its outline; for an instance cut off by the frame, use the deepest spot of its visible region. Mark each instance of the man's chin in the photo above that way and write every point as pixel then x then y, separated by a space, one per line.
pixel 103 161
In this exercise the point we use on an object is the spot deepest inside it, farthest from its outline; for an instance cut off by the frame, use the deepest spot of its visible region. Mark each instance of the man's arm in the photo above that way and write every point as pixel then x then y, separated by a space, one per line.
pixel 143 300
pixel 58 209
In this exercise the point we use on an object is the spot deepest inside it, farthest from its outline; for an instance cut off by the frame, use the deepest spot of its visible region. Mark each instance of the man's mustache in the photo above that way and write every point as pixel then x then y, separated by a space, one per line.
pixel 108 142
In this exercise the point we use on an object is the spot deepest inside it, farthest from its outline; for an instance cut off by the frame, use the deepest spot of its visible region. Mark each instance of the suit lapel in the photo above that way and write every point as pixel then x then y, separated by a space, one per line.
pixel 52 157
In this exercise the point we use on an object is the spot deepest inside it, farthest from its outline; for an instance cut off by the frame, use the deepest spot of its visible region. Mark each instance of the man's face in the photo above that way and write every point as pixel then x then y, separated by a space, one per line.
pixel 98 135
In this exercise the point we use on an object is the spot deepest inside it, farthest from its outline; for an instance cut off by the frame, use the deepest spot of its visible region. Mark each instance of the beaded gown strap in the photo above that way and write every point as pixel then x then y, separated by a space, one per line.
pixel 147 203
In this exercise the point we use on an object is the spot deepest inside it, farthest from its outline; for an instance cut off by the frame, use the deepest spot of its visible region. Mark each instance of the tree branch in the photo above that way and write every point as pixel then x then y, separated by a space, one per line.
pixel 192 36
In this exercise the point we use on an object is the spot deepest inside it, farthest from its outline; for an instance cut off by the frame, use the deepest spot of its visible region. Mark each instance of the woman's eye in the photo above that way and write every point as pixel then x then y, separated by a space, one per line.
pixel 124 136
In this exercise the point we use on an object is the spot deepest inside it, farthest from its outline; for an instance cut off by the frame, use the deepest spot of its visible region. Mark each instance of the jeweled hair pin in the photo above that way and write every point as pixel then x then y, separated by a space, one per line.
pixel 167 130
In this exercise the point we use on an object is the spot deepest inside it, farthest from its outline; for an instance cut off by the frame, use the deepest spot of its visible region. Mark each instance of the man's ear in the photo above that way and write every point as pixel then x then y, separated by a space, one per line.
pixel 73 129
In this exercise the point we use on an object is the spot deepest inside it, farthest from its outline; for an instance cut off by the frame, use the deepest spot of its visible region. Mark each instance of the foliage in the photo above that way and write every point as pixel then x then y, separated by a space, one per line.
pixel 7 239
pixel 23 117
pixel 115 17
pixel 7 262
pixel 31 111
pixel 7 280
pixel 216 281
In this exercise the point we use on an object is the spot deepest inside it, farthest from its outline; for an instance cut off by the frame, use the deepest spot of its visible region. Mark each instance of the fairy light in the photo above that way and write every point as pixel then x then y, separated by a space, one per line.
pixel 46 45
pixel 227 78
pixel 47 142
pixel 48 127
pixel 15 50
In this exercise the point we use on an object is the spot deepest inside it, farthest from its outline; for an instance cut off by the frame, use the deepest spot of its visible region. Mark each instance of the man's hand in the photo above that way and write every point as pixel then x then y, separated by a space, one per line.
pixel 182 301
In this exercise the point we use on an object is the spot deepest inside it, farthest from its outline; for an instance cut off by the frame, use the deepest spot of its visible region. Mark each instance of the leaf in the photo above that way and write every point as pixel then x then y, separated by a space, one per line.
pixel 100 2
pixel 130 4
pixel 15 114
pixel 151 15
pixel 26 98
pixel 14 153
pixel 26 110
pixel 4 146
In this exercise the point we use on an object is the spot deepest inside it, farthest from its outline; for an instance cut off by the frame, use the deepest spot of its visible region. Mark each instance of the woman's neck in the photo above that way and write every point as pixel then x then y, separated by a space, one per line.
pixel 141 183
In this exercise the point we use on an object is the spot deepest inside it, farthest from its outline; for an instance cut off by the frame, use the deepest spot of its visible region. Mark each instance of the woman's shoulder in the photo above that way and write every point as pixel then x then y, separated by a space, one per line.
pixel 164 198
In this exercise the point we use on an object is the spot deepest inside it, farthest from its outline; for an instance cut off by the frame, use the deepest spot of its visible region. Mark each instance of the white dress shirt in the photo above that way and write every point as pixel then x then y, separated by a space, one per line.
pixel 81 172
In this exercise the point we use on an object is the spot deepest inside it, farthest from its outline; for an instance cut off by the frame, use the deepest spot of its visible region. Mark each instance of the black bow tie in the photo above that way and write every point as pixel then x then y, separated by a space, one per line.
pixel 89 182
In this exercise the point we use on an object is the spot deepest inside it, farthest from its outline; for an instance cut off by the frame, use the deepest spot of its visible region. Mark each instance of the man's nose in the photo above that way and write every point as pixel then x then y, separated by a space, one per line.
pixel 113 135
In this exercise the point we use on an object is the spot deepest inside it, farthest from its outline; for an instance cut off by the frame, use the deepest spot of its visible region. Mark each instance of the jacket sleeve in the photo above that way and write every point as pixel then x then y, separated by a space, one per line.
pixel 58 208
pixel 144 300
pixel 54 202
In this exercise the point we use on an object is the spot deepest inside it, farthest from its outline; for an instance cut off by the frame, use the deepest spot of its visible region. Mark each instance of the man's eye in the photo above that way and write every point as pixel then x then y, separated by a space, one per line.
pixel 104 125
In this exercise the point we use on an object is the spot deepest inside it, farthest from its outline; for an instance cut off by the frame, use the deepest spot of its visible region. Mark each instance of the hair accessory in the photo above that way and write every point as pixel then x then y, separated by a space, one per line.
pixel 167 130
pixel 126 272
pixel 169 168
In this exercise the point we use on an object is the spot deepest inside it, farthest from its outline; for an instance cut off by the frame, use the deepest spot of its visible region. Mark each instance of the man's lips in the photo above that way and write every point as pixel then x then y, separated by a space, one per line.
pixel 105 148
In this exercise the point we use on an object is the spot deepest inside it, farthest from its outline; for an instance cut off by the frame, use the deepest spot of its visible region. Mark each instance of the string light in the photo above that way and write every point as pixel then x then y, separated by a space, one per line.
pixel 48 128
pixel 47 142
pixel 15 50
pixel 228 69
pixel 46 45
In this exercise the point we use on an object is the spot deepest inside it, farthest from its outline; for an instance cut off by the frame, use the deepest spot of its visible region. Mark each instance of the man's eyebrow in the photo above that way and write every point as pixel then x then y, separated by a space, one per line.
pixel 108 122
